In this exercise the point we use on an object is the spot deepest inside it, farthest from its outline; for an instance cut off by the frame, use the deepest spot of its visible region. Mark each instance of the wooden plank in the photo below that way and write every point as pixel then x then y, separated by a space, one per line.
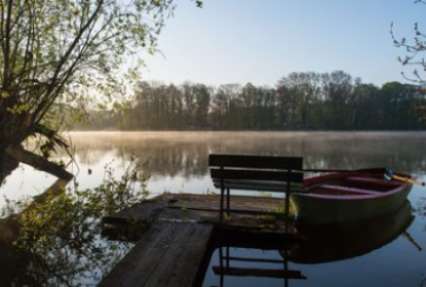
pixel 252 161
pixel 135 269
pixel 260 175
pixel 187 207
pixel 349 189
pixel 233 210
pixel 254 272
pixel 212 200
pixel 257 185
pixel 168 254
pixel 184 259
pixel 144 212
pixel 372 181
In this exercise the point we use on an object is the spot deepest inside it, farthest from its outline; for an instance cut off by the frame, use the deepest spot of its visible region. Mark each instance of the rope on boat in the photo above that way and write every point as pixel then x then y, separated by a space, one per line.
pixel 389 175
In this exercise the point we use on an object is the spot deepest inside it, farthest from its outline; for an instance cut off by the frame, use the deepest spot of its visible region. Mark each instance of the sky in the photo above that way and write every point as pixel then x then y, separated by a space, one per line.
pixel 260 41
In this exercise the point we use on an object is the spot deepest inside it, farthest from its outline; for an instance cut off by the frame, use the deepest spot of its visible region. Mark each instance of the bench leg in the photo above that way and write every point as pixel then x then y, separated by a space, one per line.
pixel 222 278
pixel 222 193
pixel 228 199
pixel 227 256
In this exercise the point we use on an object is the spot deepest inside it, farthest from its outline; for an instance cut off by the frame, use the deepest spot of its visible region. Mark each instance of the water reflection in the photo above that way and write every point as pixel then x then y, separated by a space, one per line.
pixel 177 161
pixel 235 263
pixel 68 248
pixel 328 243
pixel 186 153
pixel 56 240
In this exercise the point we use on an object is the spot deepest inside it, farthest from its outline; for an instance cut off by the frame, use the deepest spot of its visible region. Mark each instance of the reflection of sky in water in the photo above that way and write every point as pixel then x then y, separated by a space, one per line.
pixel 395 264
pixel 177 162
pixel 23 183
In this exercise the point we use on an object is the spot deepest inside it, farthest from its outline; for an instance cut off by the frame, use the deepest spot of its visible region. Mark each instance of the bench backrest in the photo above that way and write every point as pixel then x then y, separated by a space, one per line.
pixel 231 169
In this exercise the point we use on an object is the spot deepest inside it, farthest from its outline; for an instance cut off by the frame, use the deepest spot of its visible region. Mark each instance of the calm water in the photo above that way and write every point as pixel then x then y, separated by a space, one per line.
pixel 177 162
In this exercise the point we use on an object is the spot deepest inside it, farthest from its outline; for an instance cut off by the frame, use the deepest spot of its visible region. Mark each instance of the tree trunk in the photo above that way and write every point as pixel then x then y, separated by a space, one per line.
pixel 38 162
pixel 7 165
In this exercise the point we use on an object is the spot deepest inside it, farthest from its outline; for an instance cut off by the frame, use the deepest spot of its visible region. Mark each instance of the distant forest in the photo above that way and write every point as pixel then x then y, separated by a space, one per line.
pixel 299 101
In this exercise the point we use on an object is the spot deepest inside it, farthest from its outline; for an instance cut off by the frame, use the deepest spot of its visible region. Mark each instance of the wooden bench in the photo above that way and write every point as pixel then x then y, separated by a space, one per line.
pixel 249 172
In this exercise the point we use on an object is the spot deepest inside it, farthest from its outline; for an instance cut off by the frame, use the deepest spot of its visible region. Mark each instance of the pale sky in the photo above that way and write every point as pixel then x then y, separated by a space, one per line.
pixel 259 41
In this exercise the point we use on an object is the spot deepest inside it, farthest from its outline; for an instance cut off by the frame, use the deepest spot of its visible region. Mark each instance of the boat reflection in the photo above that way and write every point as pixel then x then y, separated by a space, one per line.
pixel 326 243
pixel 243 263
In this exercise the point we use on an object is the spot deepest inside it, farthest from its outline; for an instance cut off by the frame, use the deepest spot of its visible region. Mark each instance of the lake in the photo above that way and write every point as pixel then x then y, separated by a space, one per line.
pixel 177 162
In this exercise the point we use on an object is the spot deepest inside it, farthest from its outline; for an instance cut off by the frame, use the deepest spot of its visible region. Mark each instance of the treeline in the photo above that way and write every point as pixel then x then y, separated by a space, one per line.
pixel 299 101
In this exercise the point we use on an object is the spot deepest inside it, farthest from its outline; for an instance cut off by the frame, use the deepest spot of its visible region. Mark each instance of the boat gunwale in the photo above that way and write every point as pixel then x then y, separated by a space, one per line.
pixel 400 188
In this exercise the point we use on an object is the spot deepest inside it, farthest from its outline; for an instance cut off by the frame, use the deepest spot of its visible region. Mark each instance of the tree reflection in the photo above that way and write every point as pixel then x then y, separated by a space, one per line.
pixel 58 240
pixel 186 153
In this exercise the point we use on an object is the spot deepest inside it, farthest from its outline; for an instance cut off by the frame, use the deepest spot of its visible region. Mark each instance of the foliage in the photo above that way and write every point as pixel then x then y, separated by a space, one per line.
pixel 61 235
pixel 66 51
pixel 414 51
pixel 300 101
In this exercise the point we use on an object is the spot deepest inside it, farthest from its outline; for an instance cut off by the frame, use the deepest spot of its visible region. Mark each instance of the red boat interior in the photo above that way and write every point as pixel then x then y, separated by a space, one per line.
pixel 351 184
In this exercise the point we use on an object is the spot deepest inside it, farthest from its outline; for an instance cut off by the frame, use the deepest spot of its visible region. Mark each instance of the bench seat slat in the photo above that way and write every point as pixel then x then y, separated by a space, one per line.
pixel 257 185
pixel 349 189
pixel 246 174
pixel 374 181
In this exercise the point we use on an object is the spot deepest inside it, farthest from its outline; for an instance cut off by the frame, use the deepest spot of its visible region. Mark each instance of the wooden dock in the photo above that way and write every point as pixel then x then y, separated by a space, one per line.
pixel 168 254
pixel 174 234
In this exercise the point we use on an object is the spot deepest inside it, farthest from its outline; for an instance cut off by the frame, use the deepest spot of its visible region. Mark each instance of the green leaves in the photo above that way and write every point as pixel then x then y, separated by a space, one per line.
pixel 4 94
pixel 61 235
pixel 54 49
pixel 19 108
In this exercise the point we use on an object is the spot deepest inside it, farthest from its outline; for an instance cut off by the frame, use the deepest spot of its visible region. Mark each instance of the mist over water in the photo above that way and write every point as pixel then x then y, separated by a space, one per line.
pixel 178 161
pixel 185 153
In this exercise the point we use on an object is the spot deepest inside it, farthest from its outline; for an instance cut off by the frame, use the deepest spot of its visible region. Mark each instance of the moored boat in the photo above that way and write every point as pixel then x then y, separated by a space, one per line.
pixel 348 196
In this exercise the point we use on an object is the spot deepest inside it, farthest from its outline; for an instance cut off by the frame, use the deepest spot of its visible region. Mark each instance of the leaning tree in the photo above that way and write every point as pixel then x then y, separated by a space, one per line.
pixel 56 54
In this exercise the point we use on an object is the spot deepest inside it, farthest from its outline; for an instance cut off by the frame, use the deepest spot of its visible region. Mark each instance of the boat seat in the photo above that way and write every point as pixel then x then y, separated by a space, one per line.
pixel 372 181
pixel 349 189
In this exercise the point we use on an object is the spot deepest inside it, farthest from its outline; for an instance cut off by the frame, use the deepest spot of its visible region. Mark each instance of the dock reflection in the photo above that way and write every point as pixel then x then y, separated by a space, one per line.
pixel 255 262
